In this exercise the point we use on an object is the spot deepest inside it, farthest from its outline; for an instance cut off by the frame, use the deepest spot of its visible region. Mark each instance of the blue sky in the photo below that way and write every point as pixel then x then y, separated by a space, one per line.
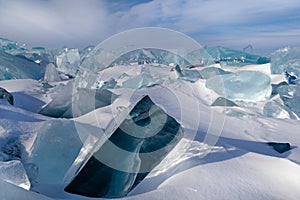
pixel 266 24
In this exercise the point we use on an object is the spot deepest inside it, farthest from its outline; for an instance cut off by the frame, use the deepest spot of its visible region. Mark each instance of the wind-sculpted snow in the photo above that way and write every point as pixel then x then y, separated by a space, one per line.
pixel 244 85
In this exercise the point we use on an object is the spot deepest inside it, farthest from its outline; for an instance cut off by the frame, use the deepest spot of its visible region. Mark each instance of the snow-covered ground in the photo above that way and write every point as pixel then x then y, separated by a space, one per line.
pixel 223 154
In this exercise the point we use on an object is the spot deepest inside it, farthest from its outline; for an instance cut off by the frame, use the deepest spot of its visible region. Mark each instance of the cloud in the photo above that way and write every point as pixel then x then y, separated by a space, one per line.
pixel 53 22
pixel 77 23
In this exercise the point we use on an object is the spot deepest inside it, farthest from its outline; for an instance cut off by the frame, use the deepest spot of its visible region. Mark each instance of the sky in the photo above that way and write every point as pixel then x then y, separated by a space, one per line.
pixel 265 24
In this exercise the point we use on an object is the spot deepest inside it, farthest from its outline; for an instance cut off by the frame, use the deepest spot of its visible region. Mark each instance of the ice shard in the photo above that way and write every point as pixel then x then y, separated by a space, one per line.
pixel 244 85
pixel 55 148
pixel 51 74
pixel 144 79
pixel 14 173
pixel 284 58
pixel 290 94
pixel 212 71
pixel 292 75
pixel 69 104
pixel 10 46
pixel 68 61
pixel 139 144
pixel 13 67
pixel 9 191
pixel 276 110
pixel 188 74
pixel 229 57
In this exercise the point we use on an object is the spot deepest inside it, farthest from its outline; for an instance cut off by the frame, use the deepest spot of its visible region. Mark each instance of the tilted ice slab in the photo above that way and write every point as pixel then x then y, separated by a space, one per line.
pixel 134 148
pixel 55 148
pixel 244 85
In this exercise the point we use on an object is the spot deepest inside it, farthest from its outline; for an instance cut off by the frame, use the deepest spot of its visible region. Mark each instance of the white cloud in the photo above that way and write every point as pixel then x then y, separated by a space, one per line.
pixel 78 23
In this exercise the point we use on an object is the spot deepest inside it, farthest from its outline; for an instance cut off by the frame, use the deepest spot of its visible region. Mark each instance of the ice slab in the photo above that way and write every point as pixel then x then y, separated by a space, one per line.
pixel 10 46
pixel 229 57
pixel 149 55
pixel 9 191
pixel 140 143
pixel 275 86
pixel 244 85
pixel 284 58
pixel 293 75
pixel 68 61
pixel 290 94
pixel 54 150
pixel 51 74
pixel 188 74
pixel 276 110
pixel 143 79
pixel 69 104
pixel 14 173
pixel 60 103
pixel 212 71
pixel 13 67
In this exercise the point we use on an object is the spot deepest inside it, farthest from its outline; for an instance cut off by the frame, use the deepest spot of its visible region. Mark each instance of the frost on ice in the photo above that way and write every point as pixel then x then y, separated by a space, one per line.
pixel 244 85
pixel 140 143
